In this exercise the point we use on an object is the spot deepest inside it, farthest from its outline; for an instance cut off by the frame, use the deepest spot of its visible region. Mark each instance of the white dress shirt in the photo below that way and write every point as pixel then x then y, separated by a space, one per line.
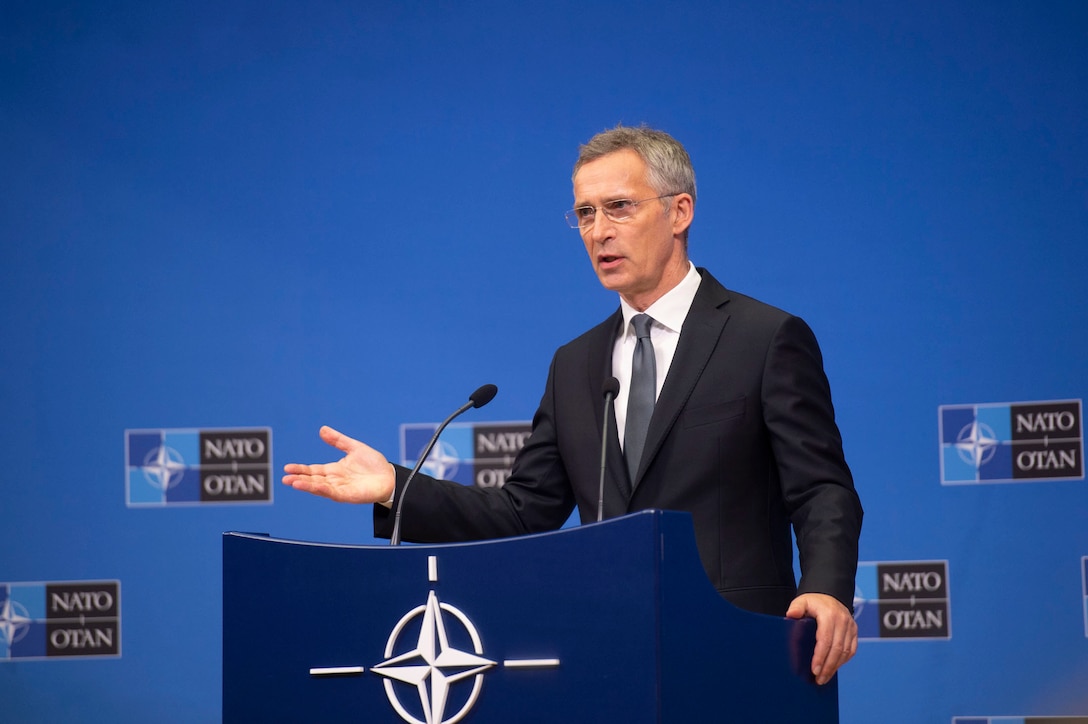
pixel 668 313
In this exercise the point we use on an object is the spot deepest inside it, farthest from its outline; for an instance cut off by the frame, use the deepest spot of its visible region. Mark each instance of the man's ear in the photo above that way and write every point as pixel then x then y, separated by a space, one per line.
pixel 683 213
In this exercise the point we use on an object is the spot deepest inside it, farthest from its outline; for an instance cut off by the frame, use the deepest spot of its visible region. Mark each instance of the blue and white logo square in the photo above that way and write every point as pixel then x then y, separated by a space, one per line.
pixel 452 456
pixel 162 467
pixel 480 454
pixel 1011 442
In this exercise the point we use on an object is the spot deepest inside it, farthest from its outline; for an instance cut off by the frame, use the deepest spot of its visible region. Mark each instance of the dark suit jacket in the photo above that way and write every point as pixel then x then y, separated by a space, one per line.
pixel 743 437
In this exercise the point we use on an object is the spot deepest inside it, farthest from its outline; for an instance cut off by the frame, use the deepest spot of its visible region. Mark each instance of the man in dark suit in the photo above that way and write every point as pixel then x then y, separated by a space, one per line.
pixel 731 415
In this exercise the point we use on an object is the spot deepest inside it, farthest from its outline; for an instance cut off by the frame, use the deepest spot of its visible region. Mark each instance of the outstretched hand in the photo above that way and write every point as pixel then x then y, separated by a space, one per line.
pixel 363 475
pixel 836 632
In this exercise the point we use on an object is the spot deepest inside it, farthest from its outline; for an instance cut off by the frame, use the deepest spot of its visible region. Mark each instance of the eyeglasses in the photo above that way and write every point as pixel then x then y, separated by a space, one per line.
pixel 620 210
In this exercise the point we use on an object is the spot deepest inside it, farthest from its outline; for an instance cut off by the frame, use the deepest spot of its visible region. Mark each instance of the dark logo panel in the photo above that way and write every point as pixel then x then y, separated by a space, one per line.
pixel 918 619
pixel 234 447
pixel 495 448
pixel 82 600
pixel 1046 420
pixel 1033 461
pixel 902 600
pixel 90 638
pixel 234 466
pixel 1047 439
pixel 912 580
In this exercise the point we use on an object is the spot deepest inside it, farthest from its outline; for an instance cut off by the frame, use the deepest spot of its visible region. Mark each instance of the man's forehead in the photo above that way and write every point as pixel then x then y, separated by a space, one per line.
pixel 614 175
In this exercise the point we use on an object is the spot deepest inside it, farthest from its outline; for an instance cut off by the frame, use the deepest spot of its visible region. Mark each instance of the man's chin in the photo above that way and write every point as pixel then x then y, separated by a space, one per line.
pixel 611 279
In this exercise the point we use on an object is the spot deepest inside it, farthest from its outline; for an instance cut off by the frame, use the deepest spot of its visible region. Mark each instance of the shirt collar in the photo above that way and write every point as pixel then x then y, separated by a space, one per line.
pixel 671 309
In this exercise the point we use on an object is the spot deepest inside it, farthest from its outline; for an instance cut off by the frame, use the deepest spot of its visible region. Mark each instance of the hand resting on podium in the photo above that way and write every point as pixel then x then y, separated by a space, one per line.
pixel 836 632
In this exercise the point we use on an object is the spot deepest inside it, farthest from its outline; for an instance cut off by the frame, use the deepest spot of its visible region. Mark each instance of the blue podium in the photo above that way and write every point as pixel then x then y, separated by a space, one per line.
pixel 609 622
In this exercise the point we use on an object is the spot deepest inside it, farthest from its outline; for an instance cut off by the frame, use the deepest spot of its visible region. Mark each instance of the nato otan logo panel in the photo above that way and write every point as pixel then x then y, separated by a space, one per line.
pixel 474 454
pixel 902 600
pixel 61 619
pixel 1011 442
pixel 197 467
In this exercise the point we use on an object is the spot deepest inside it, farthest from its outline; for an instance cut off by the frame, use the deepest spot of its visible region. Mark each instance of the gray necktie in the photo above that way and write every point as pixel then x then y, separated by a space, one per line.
pixel 641 395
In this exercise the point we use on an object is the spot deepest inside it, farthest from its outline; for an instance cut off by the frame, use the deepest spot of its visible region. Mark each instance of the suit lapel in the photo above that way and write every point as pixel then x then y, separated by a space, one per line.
pixel 702 329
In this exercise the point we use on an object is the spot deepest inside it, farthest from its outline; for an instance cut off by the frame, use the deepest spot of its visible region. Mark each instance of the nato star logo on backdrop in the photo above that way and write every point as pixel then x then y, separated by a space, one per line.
pixel 479 454
pixel 194 467
pixel 1011 442
pixel 60 619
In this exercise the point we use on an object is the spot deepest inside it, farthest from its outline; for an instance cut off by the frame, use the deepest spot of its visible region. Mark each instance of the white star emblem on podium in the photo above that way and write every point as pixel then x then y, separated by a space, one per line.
pixel 433 665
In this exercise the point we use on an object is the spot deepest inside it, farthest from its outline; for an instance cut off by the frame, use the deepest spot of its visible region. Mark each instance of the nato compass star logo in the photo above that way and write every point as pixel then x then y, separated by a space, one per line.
pixel 434 674
pixel 433 666
pixel 443 461
pixel 859 601
pixel 14 621
pixel 163 467
pixel 977 443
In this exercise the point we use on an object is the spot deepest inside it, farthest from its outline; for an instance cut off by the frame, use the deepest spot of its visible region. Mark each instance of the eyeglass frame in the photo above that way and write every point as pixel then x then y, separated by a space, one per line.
pixel 572 219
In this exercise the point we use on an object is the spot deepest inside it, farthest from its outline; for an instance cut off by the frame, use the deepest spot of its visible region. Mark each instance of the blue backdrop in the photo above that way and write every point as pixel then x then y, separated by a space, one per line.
pixel 281 215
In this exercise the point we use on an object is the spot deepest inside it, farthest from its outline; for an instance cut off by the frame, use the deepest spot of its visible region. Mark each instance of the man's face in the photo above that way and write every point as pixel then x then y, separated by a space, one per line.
pixel 644 256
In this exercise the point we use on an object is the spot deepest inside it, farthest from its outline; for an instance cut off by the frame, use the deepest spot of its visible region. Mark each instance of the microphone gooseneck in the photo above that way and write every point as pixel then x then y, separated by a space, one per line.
pixel 479 398
pixel 610 389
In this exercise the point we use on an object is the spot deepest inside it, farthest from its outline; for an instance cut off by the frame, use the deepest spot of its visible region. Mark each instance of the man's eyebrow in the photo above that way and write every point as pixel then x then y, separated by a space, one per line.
pixel 605 200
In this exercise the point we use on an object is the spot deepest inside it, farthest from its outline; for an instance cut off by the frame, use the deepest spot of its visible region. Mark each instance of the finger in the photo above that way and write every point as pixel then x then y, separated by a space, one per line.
pixel 830 665
pixel 315 485
pixel 830 639
pixel 843 645
pixel 821 653
pixel 337 439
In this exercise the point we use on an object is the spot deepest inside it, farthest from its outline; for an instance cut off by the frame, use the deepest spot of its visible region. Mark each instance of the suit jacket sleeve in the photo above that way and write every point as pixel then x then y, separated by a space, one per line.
pixel 816 483
pixel 536 497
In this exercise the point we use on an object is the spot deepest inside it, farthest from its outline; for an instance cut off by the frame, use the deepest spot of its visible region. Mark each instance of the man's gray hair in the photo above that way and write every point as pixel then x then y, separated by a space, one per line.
pixel 668 164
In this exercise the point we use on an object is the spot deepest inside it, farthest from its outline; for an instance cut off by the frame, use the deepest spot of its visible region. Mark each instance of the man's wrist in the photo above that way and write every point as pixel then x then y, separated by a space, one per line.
pixel 392 493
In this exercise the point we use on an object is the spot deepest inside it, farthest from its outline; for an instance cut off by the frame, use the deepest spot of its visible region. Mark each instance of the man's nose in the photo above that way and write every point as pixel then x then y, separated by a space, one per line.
pixel 600 230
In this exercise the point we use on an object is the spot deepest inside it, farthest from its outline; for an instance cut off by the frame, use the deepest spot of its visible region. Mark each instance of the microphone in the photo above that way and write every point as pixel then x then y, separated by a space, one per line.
pixel 610 389
pixel 479 398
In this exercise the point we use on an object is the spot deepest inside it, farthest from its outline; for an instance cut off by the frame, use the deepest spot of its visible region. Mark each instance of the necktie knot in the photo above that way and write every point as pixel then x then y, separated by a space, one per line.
pixel 642 324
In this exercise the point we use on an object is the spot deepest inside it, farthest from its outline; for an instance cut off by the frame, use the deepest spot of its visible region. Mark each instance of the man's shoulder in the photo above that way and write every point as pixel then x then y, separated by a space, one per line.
pixel 713 294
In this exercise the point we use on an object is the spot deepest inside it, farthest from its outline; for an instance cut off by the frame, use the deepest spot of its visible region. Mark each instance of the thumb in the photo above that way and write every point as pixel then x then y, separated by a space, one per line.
pixel 797 609
pixel 337 439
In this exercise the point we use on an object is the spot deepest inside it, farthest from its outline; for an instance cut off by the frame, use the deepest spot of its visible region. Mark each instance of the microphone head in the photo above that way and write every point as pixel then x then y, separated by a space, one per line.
pixel 484 395
pixel 611 387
